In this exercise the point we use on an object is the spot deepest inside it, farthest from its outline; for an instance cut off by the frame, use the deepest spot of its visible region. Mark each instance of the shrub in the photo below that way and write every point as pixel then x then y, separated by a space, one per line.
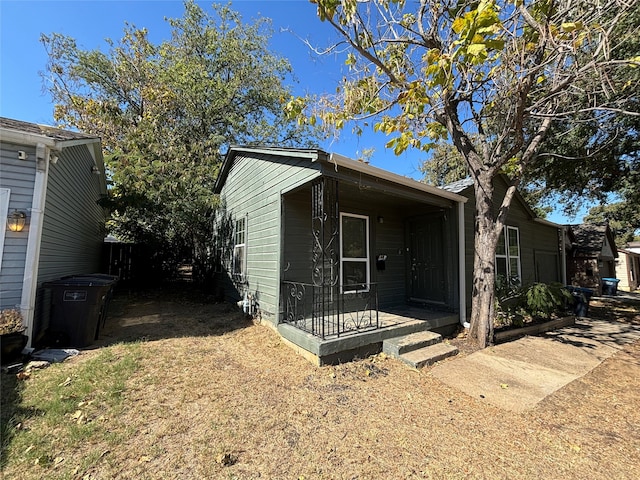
pixel 544 299
pixel 515 304
pixel 10 321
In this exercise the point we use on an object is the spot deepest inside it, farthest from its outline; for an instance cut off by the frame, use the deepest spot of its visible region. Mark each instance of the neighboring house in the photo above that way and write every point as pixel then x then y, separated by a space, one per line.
pixel 592 257
pixel 530 249
pixel 53 179
pixel 628 266
pixel 335 253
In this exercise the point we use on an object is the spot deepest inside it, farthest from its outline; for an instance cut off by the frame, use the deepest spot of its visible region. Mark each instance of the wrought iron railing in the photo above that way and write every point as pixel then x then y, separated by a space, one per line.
pixel 326 312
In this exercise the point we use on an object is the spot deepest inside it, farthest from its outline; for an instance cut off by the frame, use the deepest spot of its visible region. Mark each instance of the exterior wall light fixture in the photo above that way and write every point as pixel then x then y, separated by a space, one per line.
pixel 16 221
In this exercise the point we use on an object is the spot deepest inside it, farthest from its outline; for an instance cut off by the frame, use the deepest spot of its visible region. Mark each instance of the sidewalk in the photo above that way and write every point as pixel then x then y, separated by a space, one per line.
pixel 517 375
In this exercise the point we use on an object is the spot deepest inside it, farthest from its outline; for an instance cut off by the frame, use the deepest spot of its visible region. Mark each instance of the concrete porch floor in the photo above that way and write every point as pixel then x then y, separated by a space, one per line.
pixel 393 322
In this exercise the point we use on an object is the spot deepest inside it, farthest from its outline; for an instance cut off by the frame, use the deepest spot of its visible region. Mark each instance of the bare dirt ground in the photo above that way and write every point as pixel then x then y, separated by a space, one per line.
pixel 217 396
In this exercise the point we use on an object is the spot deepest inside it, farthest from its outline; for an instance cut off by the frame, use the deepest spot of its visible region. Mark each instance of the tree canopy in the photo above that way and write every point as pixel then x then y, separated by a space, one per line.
pixel 167 111
pixel 491 77
pixel 597 153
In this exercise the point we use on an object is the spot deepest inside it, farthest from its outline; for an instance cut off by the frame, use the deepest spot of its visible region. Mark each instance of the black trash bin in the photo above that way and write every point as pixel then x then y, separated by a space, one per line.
pixel 610 286
pixel 77 304
pixel 581 297
pixel 113 279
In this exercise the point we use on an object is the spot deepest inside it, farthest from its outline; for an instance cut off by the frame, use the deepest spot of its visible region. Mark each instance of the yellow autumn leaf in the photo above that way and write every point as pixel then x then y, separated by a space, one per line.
pixel 458 24
pixel 572 26
pixel 476 49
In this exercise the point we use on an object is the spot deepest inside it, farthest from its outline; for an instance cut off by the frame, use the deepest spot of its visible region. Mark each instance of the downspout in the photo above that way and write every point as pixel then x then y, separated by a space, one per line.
pixel 462 267
pixel 30 280
pixel 563 255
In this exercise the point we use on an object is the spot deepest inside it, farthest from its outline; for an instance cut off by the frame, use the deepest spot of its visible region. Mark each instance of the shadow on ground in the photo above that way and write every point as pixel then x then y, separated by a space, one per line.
pixel 169 312
pixel 9 411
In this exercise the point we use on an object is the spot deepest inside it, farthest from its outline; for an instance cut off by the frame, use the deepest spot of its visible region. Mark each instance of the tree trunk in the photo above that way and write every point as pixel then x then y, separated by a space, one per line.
pixel 486 236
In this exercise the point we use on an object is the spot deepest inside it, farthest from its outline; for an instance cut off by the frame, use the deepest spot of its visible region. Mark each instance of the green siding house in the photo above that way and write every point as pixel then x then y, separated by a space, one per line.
pixel 336 254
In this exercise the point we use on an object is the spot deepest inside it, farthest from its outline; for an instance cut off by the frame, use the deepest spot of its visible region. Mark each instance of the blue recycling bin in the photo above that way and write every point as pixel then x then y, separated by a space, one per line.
pixel 610 286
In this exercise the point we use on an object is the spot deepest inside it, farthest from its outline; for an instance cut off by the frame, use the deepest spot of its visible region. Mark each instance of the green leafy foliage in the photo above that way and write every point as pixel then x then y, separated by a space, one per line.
pixel 623 217
pixel 516 303
pixel 597 152
pixel 166 112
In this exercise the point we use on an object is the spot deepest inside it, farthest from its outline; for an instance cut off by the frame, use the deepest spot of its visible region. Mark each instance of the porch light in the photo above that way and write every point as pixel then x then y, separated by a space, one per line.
pixel 16 221
pixel 380 219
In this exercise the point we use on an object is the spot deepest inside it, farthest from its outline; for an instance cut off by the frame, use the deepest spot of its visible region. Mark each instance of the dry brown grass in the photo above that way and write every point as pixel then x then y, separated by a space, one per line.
pixel 216 396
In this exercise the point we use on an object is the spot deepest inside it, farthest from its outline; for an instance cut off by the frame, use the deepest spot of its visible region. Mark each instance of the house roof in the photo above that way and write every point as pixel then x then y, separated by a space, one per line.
pixel 56 134
pixel 55 139
pixel 459 186
pixel 466 183
pixel 589 239
pixel 335 161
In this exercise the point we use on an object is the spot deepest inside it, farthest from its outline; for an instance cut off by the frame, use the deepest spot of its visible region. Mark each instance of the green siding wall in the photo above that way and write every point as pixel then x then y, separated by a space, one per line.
pixel 297 244
pixel 386 238
pixel 253 188
pixel 539 243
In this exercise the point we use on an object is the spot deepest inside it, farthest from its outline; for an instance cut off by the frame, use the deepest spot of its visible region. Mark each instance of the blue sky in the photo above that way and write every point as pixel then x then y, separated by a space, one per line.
pixel 90 22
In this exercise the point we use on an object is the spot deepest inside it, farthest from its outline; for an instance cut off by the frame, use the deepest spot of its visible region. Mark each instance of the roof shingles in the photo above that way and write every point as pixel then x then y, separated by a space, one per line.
pixel 44 130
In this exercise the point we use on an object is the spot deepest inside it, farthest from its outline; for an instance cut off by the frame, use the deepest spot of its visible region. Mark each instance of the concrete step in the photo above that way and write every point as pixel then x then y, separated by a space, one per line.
pixel 428 355
pixel 396 346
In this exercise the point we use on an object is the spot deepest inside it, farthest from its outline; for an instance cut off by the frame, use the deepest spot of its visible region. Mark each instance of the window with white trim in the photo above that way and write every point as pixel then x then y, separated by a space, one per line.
pixel 354 252
pixel 240 249
pixel 508 256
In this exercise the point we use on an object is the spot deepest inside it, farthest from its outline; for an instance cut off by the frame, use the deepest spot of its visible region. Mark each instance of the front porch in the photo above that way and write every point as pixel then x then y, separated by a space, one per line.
pixel 359 331
pixel 364 263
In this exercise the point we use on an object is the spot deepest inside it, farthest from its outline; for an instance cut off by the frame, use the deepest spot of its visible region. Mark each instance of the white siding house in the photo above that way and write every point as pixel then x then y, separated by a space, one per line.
pixel 55 178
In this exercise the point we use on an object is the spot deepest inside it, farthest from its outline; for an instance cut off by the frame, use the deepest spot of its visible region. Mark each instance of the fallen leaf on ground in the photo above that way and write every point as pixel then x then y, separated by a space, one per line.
pixel 65 383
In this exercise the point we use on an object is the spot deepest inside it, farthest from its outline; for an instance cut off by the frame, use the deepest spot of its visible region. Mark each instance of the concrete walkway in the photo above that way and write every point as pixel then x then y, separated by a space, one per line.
pixel 517 375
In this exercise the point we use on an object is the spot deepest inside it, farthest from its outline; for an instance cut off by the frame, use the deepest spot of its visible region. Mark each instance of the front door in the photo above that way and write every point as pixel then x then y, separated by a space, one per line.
pixel 427 260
